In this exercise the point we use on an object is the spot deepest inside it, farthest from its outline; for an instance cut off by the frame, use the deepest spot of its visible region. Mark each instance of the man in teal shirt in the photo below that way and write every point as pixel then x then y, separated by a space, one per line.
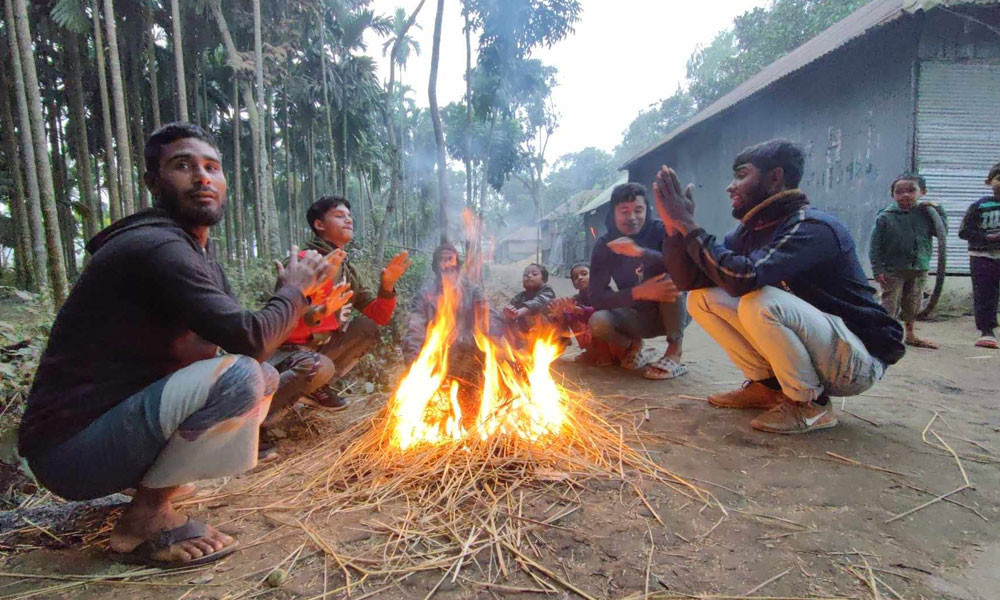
pixel 900 251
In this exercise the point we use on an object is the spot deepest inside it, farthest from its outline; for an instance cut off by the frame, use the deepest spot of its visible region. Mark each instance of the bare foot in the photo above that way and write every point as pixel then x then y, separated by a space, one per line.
pixel 919 343
pixel 182 492
pixel 139 524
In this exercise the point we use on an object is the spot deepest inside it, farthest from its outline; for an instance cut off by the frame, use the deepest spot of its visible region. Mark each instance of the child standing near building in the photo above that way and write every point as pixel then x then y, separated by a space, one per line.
pixel 981 228
pixel 900 251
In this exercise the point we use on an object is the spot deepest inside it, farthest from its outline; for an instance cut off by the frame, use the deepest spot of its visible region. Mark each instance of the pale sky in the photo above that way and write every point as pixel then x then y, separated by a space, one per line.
pixel 624 56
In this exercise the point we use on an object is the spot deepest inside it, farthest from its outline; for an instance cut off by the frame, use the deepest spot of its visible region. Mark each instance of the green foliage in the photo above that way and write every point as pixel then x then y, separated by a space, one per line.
pixel 654 123
pixel 758 38
pixel 571 173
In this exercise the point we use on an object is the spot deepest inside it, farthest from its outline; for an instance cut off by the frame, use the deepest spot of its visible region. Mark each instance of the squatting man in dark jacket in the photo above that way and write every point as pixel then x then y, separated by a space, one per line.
pixel 131 390
pixel 783 293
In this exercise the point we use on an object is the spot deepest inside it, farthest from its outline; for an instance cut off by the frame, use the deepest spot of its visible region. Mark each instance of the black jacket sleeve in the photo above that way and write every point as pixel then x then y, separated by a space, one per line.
pixel 682 270
pixel 601 294
pixel 798 246
pixel 179 282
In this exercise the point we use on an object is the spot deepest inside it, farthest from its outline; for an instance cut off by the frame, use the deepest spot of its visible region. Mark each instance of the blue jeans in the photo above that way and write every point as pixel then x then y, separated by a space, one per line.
pixel 199 422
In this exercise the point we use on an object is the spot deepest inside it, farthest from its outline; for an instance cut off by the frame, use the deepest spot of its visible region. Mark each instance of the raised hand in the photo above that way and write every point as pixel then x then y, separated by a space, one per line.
pixel 339 296
pixel 560 307
pixel 334 261
pixel 394 270
pixel 304 272
pixel 625 246
pixel 675 207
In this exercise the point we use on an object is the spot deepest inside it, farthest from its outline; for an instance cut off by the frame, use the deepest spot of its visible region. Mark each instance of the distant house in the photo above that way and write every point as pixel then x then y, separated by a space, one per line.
pixel 562 244
pixel 898 85
pixel 595 212
pixel 517 245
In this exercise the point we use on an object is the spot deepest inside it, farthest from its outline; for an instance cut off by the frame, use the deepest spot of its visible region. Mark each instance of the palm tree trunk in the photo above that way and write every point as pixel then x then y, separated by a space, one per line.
pixel 312 165
pixel 267 188
pixel 326 100
pixel 80 145
pixel 149 50
pixel 442 164
pixel 53 241
pixel 241 248
pixel 67 223
pixel 110 162
pixel 18 204
pixel 137 116
pixel 121 119
pixel 289 179
pixel 394 154
pixel 181 88
pixel 468 107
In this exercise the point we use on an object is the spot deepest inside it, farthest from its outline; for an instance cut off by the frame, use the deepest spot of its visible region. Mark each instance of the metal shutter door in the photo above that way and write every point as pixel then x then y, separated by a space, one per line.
pixel 958 140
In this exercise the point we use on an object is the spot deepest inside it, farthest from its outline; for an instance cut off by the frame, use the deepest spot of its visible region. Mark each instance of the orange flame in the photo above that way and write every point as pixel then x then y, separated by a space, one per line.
pixel 517 396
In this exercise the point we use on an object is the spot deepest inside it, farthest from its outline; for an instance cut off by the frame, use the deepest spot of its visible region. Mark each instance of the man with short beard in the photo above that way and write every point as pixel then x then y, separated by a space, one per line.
pixel 783 294
pixel 131 391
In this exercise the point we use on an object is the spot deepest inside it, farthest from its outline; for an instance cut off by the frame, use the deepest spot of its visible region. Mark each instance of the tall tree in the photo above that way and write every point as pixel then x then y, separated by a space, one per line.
pixel 241 247
pixel 267 187
pixel 80 144
pixel 18 201
pixel 39 252
pixel 53 241
pixel 121 118
pixel 395 57
pixel 442 161
pixel 149 49
pixel 110 162
pixel 181 85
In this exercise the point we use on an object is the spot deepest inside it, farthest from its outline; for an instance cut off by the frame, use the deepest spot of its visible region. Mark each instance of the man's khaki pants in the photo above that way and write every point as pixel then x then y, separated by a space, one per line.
pixel 770 332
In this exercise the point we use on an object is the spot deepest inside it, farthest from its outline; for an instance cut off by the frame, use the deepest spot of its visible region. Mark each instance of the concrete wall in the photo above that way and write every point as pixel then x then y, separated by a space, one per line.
pixel 852 111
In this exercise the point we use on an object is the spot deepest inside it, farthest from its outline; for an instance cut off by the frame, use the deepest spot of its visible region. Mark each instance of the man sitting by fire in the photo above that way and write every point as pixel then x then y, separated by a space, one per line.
pixel 130 391
pixel 783 293
pixel 326 344
pixel 471 305
pixel 646 304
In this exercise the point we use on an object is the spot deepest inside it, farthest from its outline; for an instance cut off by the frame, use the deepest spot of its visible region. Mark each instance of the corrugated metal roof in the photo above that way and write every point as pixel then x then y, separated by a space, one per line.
pixel 859 23
pixel 603 198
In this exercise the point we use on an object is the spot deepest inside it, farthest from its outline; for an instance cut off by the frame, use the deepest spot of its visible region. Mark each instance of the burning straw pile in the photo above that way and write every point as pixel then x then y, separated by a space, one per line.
pixel 465 487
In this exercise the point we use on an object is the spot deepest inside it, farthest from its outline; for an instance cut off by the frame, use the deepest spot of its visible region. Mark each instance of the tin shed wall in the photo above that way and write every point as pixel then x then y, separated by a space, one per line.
pixel 851 111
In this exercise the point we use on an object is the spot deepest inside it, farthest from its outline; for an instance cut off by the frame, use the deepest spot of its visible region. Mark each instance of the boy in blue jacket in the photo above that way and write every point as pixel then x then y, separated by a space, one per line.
pixel 981 228
pixel 783 293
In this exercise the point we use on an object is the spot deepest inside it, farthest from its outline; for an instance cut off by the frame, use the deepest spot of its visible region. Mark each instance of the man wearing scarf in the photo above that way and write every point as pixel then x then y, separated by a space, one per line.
pixel 783 293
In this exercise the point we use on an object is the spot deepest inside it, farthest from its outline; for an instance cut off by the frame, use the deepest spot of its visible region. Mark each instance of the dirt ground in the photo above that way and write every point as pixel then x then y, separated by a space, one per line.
pixel 809 516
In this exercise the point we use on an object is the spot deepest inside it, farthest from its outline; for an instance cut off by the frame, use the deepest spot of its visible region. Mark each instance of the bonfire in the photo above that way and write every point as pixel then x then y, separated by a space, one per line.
pixel 467 473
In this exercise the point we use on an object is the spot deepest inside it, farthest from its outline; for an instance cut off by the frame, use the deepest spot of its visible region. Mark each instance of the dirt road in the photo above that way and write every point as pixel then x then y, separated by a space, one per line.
pixel 808 516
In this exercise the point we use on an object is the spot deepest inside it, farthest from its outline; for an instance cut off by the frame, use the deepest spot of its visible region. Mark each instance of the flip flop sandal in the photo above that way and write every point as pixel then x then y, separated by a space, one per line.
pixel 193 529
pixel 665 368
pixel 633 361
pixel 987 341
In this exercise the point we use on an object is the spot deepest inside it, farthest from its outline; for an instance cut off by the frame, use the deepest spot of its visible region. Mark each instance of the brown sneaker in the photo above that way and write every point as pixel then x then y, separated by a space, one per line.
pixel 752 395
pixel 796 417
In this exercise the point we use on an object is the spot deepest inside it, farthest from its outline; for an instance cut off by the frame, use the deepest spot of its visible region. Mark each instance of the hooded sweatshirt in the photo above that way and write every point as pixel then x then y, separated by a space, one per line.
pixel 150 302
pixel 784 242
pixel 902 240
pixel 626 271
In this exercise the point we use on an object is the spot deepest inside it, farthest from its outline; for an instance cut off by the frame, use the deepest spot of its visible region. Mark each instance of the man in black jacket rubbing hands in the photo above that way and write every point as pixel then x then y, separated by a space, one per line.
pixel 783 293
